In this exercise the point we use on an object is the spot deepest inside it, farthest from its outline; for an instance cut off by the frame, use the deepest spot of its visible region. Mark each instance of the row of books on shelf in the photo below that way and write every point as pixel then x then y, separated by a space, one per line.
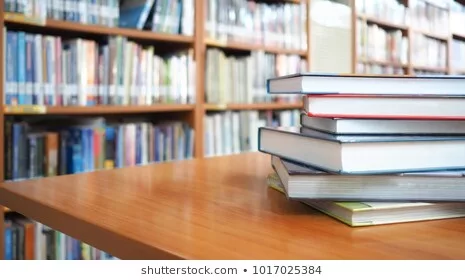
pixel 162 16
pixel 387 10
pixel 390 153
pixel 234 132
pixel 423 15
pixel 26 239
pixel 428 52
pixel 373 68
pixel 43 148
pixel 429 72
pixel 375 43
pixel 242 79
pixel 272 24
pixel 457 15
pixel 432 17
pixel 51 70
pixel 102 12
pixel 458 55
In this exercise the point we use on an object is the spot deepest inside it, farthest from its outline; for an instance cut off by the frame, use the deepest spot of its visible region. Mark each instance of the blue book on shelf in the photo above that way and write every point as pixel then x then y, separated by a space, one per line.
pixel 91 155
pixel 21 68
pixel 29 68
pixel 74 151
pixel 34 60
pixel 120 147
pixel 134 13
pixel 8 243
pixel 11 89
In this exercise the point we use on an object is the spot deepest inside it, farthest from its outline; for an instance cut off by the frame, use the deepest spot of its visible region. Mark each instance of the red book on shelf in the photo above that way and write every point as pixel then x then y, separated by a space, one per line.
pixel 384 106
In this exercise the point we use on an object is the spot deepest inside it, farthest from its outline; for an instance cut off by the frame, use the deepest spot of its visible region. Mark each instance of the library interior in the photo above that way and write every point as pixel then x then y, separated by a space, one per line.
pixel 157 129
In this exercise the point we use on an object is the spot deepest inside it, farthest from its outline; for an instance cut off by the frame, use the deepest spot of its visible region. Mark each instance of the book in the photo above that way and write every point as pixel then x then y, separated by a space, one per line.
pixel 134 14
pixel 55 71
pixel 102 12
pixel 382 126
pixel 363 154
pixel 395 12
pixel 458 56
pixel 384 107
pixel 26 239
pixel 71 146
pixel 242 79
pixel 233 132
pixel 318 83
pixel 358 214
pixel 172 16
pixel 429 52
pixel 281 25
pixel 306 182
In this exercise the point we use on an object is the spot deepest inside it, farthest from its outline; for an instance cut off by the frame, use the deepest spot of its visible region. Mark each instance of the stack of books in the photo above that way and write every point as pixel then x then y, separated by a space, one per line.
pixel 372 149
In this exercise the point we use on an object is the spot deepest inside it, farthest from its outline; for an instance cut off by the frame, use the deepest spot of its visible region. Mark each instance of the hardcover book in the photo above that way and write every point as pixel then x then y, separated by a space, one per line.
pixel 364 154
pixel 313 83
pixel 357 214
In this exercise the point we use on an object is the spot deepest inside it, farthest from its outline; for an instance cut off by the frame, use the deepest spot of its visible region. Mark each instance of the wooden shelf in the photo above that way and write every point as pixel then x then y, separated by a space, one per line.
pixel 95 110
pixel 252 47
pixel 430 68
pixel 383 23
pixel 458 71
pixel 6 210
pixel 151 212
pixel 254 106
pixel 74 27
pixel 384 63
pixel 432 35
pixel 460 36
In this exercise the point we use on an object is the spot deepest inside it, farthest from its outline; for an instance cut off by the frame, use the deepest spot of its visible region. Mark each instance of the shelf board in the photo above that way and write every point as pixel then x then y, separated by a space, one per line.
pixel 460 36
pixel 251 47
pixel 253 106
pixel 383 23
pixel 458 71
pixel 429 68
pixel 6 210
pixel 95 110
pixel 69 26
pixel 383 63
pixel 432 34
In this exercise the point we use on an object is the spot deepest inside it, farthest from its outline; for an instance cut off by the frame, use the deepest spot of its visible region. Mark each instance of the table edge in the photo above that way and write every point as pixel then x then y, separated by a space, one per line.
pixel 102 238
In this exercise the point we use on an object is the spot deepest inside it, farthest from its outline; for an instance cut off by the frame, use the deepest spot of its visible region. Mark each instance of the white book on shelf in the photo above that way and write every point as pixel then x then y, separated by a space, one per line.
pixel 330 31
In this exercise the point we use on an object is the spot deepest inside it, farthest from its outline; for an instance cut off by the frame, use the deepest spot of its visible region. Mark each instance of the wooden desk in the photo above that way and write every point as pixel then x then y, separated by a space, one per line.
pixel 218 208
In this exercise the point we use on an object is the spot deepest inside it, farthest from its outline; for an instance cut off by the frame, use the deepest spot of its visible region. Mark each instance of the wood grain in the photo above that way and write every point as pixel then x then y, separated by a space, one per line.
pixel 81 28
pixel 200 61
pixel 383 23
pixel 243 46
pixel 214 208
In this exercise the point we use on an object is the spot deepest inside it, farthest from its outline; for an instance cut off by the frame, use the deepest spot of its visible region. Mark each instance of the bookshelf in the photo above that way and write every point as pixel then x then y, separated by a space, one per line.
pixel 426 36
pixel 193 112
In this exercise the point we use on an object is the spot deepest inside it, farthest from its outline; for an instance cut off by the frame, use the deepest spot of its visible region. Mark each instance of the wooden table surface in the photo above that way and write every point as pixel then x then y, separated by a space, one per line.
pixel 216 208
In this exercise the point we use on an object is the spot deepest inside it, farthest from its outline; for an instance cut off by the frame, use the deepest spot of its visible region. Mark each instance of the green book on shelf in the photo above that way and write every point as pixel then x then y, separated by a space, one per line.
pixel 357 214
